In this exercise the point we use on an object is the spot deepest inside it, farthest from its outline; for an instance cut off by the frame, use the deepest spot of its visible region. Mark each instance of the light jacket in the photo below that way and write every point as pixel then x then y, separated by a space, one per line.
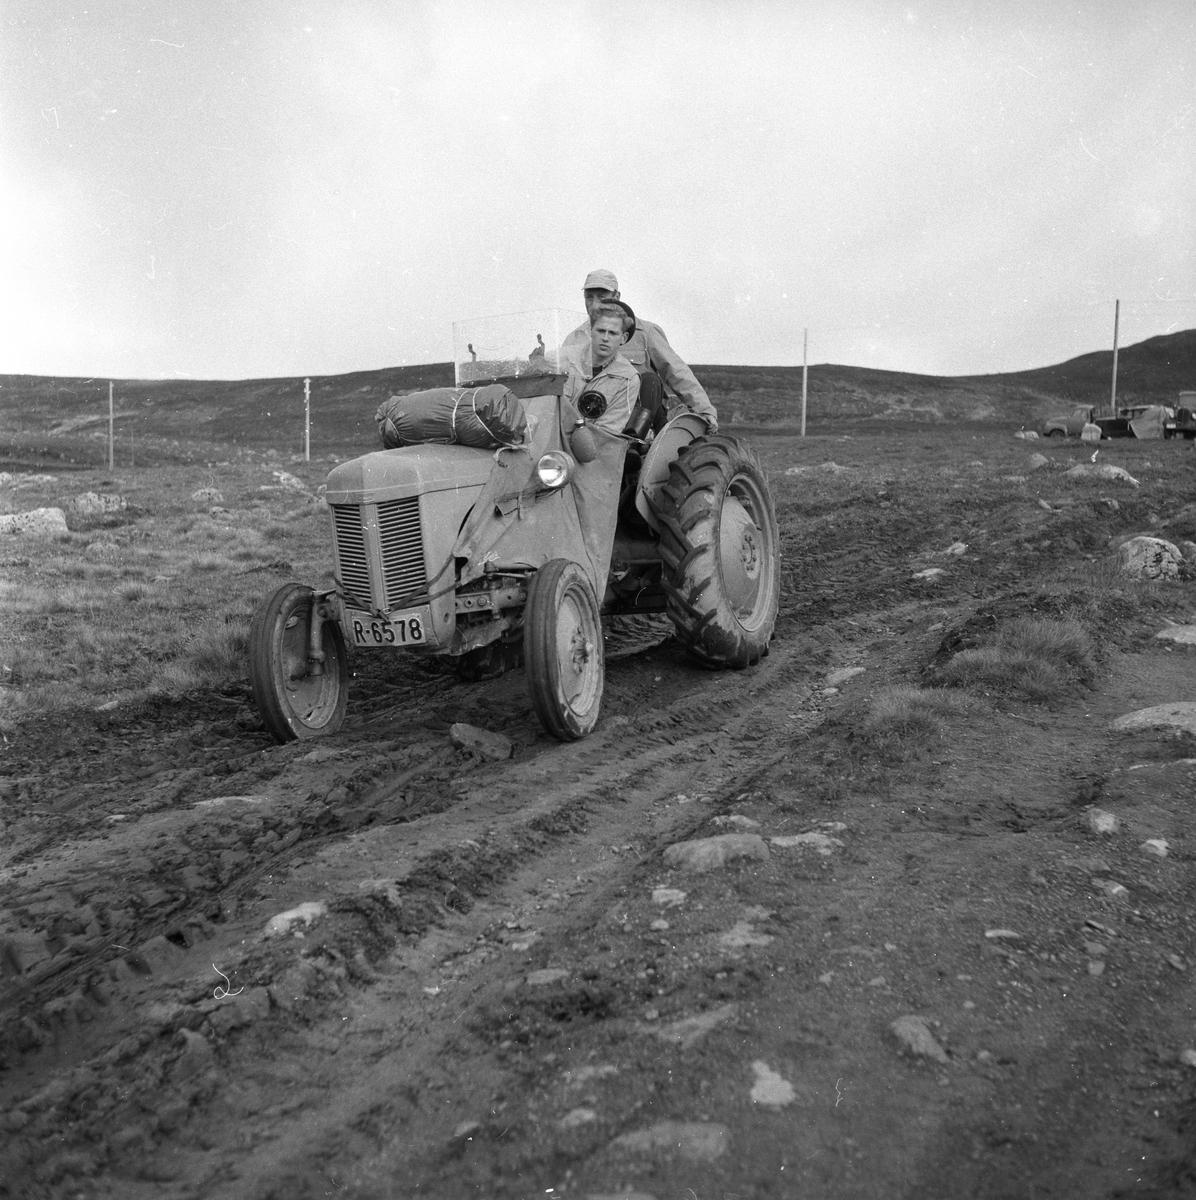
pixel 648 350
pixel 618 381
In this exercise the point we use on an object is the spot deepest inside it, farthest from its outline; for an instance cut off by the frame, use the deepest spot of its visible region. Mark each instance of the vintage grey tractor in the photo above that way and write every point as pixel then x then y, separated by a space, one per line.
pixel 515 555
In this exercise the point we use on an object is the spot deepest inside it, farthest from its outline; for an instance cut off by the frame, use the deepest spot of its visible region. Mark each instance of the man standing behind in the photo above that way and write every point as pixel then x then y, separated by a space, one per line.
pixel 647 350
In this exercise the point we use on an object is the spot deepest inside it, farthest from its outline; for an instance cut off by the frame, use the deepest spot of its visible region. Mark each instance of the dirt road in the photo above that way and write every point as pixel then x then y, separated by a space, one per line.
pixel 379 966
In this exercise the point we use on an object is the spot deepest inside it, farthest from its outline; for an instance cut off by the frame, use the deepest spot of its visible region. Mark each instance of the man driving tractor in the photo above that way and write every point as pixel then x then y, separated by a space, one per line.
pixel 649 353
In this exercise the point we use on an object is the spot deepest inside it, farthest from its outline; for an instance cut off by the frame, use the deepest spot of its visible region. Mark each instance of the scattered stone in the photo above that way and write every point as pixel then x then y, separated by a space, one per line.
pixel 1188 1058
pixel 1096 968
pixel 491 746
pixel 1090 433
pixel 689 1030
pixel 1188 550
pixel 1101 471
pixel 914 1034
pixel 576 1117
pixel 208 495
pixel 466 1129
pixel 956 549
pixel 741 935
pixel 842 675
pixel 94 504
pixel 284 922
pixel 819 841
pixel 668 897
pixel 101 548
pixel 107 706
pixel 713 853
pixel 929 573
pixel 1100 821
pixel 547 975
pixel 827 468
pixel 770 1089
pixel 1179 717
pixel 826 979
pixel 1185 635
pixel 1095 949
pixel 739 821
pixel 289 482
pixel 1002 934
pixel 1038 461
pixel 699 1141
pixel 1156 846
pixel 1013 478
pixel 1149 558
pixel 38 522
pixel 585 1074
pixel 1111 888
pixel 1177 962
pixel 877 981
pixel 660 925
pixel 1027 435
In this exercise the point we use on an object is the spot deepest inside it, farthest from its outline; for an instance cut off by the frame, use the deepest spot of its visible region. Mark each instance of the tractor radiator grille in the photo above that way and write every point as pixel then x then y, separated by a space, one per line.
pixel 402 548
pixel 399 548
pixel 350 554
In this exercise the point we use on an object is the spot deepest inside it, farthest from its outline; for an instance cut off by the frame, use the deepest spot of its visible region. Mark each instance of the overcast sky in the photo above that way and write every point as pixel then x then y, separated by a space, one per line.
pixel 272 187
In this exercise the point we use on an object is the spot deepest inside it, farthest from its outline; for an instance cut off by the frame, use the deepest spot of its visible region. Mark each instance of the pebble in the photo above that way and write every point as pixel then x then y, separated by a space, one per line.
pixel 1002 934
pixel 466 1129
pixel 1111 888
pixel 739 821
pixel 1175 961
pixel 914 1034
pixel 491 746
pixel 1188 1058
pixel 1155 846
pixel 690 1030
pixel 819 841
pixel 208 495
pixel 284 922
pixel 1095 949
pixel 929 573
pixel 1100 821
pixel 576 1117
pixel 842 675
pixel 710 854
pixel 826 979
pixel 770 1089
pixel 547 975
pixel 659 925
pixel 956 549
pixel 741 935
pixel 668 897
pixel 699 1141
pixel 1096 967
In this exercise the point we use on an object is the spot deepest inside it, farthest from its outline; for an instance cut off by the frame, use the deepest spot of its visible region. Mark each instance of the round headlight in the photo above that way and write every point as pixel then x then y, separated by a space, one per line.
pixel 555 469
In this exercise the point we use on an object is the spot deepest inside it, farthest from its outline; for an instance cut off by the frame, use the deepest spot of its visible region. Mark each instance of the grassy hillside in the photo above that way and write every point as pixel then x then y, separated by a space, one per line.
pixel 65 421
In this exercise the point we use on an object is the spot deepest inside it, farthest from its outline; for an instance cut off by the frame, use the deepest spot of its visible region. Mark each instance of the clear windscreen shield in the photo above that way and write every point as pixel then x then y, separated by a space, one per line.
pixel 519 345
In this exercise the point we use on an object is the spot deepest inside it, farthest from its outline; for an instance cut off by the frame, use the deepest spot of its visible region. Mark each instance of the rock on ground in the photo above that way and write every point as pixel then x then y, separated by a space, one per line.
pixel 701 1141
pixel 912 1032
pixel 1149 558
pixel 1100 821
pixel 1101 471
pixel 770 1089
pixel 709 854
pixel 1185 635
pixel 1179 717
pixel 38 522
pixel 208 495
pixel 491 746
pixel 92 504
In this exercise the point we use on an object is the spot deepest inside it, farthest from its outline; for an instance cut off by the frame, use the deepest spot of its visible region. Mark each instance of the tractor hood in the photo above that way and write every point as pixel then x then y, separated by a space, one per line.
pixel 408 471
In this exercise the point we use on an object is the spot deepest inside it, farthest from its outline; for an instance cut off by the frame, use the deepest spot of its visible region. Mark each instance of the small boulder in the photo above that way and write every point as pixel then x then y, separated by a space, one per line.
pixel 842 675
pixel 770 1089
pixel 547 975
pixel 1100 821
pixel 1149 558
pixel 914 1034
pixel 491 746
pixel 712 853
pixel 1038 462
pixel 816 841
pixel 284 922
pixel 208 495
pixel 94 504
pixel 1185 635
pixel 289 482
pixel 1178 718
pixel 38 522
pixel 1101 471
pixel 1090 433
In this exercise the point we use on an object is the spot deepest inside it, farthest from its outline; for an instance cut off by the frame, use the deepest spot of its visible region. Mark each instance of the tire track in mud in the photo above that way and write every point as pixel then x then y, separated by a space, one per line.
pixel 490 832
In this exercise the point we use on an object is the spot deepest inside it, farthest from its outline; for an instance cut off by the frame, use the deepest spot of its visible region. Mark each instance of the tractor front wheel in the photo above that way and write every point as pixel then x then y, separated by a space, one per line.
pixel 562 650
pixel 297 698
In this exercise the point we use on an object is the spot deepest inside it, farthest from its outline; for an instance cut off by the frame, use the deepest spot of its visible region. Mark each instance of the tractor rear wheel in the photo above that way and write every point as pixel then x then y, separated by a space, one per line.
pixel 293 700
pixel 721 552
pixel 563 651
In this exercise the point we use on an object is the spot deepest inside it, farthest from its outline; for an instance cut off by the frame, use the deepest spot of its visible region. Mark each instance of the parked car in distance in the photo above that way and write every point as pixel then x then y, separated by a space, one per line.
pixel 1136 421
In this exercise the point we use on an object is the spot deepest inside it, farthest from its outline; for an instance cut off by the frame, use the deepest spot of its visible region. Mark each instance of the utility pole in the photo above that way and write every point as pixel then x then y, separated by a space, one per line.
pixel 111 427
pixel 307 420
pixel 805 345
pixel 1116 316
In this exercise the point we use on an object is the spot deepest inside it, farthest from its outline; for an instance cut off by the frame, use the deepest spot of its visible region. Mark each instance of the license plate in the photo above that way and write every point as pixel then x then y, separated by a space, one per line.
pixel 402 629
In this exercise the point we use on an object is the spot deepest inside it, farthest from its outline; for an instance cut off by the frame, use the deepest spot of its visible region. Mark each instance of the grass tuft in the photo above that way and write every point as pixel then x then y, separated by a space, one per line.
pixel 901 721
pixel 1035 658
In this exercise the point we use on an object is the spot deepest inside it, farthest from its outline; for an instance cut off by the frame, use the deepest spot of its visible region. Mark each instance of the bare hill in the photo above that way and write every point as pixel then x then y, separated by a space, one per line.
pixel 65 420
